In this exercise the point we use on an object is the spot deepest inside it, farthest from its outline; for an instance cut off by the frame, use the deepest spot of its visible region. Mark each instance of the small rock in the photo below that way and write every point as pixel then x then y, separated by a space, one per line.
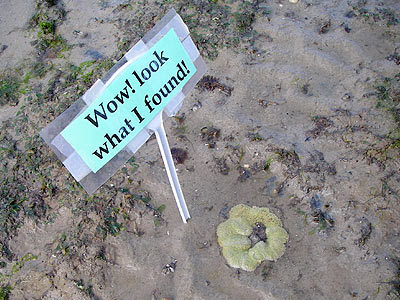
pixel 169 268
pixel 293 1
pixel 325 27
pixel 346 97
pixel 340 250
pixel 350 14
pixel 210 135
pixel 196 106
pixel 2 48
pixel 244 174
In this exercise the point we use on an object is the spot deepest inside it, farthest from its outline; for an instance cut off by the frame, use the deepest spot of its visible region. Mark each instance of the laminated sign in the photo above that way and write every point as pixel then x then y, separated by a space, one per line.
pixel 97 134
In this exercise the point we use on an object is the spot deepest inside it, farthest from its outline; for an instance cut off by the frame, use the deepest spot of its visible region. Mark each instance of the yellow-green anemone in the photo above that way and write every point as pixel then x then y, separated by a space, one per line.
pixel 233 237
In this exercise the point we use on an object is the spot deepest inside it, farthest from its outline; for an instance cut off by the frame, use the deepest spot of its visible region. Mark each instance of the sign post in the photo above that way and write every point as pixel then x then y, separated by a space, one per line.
pixel 159 131
pixel 115 117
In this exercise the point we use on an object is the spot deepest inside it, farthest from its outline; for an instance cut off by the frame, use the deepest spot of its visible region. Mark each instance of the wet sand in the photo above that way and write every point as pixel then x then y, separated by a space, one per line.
pixel 298 132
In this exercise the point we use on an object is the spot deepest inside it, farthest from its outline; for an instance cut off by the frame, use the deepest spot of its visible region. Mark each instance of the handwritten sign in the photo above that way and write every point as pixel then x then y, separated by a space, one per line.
pixel 130 102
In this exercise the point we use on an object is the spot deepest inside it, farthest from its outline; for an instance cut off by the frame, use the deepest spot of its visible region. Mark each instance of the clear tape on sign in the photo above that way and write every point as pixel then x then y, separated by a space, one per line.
pixel 174 105
pixel 138 141
pixel 92 93
pixel 177 24
pixel 62 145
pixel 77 167
pixel 136 51
pixel 191 48
pixel 90 180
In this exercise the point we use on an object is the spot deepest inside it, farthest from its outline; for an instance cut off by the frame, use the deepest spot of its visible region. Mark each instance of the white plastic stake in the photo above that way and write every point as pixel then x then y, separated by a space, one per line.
pixel 157 126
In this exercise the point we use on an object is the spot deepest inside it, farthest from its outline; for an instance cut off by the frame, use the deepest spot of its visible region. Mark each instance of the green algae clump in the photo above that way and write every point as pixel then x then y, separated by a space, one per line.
pixel 237 234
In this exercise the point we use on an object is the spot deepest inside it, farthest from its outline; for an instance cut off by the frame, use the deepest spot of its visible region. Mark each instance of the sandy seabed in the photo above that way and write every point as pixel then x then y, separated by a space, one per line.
pixel 292 126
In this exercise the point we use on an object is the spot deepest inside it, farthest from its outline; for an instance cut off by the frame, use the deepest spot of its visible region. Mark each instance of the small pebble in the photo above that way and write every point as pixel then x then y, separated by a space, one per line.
pixel 293 1
pixel 346 97
pixel 196 106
